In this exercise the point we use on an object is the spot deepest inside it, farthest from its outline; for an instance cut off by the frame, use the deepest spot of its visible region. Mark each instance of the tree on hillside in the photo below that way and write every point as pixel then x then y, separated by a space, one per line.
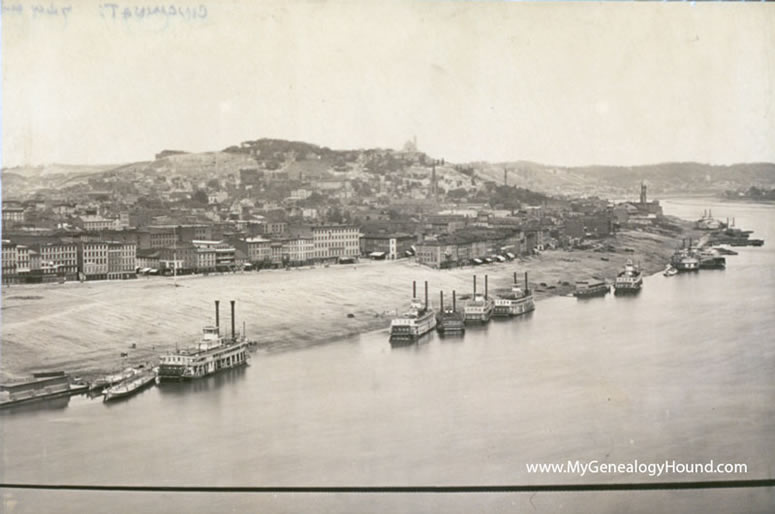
pixel 200 197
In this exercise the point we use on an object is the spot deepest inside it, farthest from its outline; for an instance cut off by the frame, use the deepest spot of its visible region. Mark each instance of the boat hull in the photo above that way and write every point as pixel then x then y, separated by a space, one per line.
pixel 591 293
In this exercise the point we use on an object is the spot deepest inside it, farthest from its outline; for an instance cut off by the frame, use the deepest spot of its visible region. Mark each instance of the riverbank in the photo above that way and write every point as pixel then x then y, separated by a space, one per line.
pixel 83 328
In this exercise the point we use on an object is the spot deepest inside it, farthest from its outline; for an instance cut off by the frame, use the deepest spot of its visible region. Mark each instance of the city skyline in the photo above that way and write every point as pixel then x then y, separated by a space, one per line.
pixel 565 85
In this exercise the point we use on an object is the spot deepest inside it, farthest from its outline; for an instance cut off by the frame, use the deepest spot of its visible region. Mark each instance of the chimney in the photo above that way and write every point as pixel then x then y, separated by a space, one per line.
pixel 426 294
pixel 474 285
pixel 485 286
pixel 515 278
pixel 454 306
pixel 526 286
pixel 441 301
pixel 217 315
pixel 414 289
pixel 232 319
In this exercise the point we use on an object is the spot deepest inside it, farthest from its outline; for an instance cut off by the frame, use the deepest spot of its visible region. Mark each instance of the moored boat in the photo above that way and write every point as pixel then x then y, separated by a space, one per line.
pixel 214 353
pixel 591 288
pixel 629 280
pixel 685 258
pixel 479 308
pixel 670 271
pixel 712 259
pixel 141 379
pixel 42 386
pixel 516 302
pixel 420 319
pixel 449 320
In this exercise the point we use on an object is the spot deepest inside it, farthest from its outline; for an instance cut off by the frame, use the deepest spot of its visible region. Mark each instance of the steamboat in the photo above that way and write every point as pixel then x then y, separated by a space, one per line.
pixel 416 322
pixel 516 302
pixel 449 320
pixel 214 353
pixel 629 280
pixel 479 308
pixel 685 258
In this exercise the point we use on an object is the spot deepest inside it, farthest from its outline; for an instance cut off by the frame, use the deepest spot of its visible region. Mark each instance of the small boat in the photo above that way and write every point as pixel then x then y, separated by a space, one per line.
pixel 111 380
pixel 133 384
pixel 670 271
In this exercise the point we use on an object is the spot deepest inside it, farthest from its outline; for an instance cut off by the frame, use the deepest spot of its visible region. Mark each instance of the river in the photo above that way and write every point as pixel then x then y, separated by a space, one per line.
pixel 684 371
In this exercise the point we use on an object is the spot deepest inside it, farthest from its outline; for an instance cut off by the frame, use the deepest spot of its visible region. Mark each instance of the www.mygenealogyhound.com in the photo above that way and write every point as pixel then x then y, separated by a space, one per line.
pixel 652 469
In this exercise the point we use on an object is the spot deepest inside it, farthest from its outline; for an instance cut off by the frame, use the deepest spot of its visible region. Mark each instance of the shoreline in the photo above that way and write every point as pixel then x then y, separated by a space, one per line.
pixel 84 328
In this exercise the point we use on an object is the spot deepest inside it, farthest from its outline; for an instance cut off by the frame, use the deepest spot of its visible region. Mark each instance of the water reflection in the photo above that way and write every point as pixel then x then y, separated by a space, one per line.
pixel 60 403
pixel 210 383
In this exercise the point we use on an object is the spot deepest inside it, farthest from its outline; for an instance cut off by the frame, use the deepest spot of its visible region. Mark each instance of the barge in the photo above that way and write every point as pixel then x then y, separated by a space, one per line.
pixel 214 353
pixel 141 379
pixel 42 386
pixel 591 288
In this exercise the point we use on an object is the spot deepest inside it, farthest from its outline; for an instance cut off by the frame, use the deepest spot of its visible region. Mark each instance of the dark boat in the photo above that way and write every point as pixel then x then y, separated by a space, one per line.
pixel 591 288
pixel 449 320
pixel 712 259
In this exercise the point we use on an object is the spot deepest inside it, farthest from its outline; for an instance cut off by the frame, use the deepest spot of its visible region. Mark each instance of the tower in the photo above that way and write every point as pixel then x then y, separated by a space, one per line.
pixel 642 192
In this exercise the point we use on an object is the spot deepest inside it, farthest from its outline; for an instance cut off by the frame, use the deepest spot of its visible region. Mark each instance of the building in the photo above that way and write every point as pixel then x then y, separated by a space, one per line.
pixel 205 259
pixel 391 245
pixel 97 223
pixel 93 260
pixel 122 260
pixel 13 214
pixel 224 257
pixel 256 249
pixel 184 254
pixel 331 242
pixel 61 256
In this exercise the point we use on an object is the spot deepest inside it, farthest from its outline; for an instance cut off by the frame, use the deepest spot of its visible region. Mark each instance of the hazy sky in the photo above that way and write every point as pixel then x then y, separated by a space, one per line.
pixel 557 83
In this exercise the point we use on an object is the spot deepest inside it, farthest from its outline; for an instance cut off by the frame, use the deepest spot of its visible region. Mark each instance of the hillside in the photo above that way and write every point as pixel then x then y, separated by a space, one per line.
pixel 305 161
pixel 684 177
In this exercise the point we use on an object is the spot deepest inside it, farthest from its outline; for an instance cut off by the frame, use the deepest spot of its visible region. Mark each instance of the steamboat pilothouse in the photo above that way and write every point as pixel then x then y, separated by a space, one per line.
pixel 214 353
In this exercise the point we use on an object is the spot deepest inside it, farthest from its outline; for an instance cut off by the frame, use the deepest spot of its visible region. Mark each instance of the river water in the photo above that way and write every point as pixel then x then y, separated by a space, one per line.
pixel 685 371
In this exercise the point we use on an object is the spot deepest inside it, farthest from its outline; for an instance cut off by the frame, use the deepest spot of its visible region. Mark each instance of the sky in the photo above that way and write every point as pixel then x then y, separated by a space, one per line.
pixel 558 83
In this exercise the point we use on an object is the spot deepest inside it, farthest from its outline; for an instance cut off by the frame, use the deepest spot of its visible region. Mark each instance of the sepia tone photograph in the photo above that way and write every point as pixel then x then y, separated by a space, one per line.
pixel 346 256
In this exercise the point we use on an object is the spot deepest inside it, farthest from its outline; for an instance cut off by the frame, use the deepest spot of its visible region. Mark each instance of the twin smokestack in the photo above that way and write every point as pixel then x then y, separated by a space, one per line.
pixel 218 317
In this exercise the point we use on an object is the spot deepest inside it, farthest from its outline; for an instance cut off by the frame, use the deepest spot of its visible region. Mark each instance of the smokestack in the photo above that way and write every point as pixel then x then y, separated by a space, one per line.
pixel 485 286
pixel 232 319
pixel 441 301
pixel 426 294
pixel 217 315
pixel 515 278
pixel 414 289
pixel 526 287
pixel 454 303
pixel 474 285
